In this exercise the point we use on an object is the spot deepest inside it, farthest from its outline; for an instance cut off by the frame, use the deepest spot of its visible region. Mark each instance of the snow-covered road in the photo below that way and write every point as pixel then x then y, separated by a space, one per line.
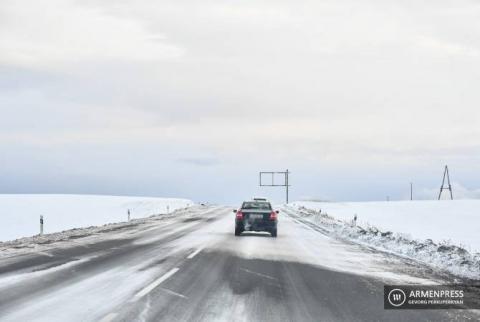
pixel 191 267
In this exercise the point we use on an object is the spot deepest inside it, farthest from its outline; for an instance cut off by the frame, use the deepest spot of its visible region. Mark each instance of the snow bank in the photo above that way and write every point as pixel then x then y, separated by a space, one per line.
pixel 20 214
pixel 453 221
pixel 434 232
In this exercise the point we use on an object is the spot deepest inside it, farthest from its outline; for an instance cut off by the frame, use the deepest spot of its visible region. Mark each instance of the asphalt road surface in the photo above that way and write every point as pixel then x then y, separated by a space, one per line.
pixel 191 267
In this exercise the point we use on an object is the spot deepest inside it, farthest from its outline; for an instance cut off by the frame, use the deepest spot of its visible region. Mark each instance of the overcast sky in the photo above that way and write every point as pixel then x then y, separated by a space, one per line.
pixel 193 98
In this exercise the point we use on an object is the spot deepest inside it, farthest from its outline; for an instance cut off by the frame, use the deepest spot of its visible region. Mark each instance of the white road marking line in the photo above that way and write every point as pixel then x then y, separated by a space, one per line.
pixel 192 255
pixel 155 283
pixel 259 274
pixel 173 293
pixel 109 317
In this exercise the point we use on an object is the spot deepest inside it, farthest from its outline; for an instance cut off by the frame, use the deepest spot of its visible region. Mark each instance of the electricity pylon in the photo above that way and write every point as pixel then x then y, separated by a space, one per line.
pixel 443 187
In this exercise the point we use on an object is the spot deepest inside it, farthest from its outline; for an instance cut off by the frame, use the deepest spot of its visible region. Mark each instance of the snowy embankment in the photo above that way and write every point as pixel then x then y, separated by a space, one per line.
pixel 21 213
pixel 444 234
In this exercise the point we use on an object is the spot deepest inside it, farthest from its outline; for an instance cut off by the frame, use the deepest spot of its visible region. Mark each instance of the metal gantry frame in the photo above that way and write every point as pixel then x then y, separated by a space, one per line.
pixel 273 183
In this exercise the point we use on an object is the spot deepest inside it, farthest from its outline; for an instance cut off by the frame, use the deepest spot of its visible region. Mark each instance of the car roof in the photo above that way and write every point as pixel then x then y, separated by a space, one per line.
pixel 257 201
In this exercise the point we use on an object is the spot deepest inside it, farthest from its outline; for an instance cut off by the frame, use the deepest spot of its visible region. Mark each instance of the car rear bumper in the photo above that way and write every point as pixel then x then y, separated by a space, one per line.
pixel 256 225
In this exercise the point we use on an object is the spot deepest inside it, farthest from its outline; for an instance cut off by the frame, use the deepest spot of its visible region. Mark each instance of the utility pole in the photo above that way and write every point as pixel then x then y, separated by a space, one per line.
pixel 411 190
pixel 443 187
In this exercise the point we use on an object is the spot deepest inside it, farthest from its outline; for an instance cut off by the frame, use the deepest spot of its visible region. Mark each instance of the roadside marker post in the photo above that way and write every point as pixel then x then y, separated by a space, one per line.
pixel 128 214
pixel 41 225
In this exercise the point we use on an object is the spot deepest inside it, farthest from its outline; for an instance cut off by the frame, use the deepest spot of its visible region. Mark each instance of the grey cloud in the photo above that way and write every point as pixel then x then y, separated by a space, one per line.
pixel 332 84
pixel 202 162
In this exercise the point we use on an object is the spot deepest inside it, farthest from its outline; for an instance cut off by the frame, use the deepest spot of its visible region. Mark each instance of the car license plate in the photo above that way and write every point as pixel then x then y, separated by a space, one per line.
pixel 256 216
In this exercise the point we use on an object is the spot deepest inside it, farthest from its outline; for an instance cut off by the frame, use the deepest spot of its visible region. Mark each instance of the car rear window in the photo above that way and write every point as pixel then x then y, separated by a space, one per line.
pixel 256 205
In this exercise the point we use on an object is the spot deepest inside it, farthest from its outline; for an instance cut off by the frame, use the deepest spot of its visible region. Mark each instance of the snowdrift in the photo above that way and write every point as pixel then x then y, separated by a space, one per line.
pixel 20 214
pixel 443 234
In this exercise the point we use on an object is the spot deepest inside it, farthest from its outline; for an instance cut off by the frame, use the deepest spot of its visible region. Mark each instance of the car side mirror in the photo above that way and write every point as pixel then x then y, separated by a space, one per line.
pixel 235 210
pixel 277 211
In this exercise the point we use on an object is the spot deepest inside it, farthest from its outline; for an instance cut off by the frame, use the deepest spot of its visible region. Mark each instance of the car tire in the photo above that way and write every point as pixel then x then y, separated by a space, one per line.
pixel 274 232
pixel 237 232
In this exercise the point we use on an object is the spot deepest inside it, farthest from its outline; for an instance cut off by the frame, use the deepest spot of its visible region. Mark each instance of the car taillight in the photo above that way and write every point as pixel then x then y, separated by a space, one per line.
pixel 273 215
pixel 239 215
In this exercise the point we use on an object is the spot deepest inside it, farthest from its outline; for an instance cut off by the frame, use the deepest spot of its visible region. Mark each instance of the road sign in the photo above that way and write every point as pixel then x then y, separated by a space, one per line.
pixel 275 179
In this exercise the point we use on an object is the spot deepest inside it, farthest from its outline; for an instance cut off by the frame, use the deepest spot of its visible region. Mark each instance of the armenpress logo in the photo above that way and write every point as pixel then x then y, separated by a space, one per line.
pixel 396 297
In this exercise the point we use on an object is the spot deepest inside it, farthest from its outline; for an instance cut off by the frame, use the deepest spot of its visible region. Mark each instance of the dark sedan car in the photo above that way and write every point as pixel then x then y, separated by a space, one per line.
pixel 256 216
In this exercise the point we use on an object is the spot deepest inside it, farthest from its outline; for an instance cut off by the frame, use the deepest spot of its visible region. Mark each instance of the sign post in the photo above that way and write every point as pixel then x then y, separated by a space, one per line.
pixel 273 183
